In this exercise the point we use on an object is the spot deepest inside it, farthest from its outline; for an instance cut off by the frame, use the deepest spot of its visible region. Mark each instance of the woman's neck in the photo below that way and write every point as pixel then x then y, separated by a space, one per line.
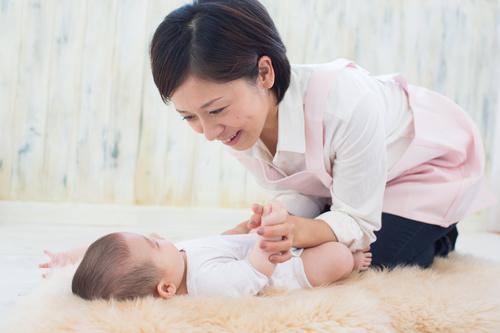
pixel 269 135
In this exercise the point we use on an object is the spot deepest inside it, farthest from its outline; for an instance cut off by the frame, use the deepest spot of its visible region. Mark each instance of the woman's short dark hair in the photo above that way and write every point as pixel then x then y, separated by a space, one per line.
pixel 218 41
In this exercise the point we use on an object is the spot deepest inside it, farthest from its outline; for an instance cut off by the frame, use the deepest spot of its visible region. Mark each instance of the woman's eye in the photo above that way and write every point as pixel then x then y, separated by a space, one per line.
pixel 216 111
pixel 188 118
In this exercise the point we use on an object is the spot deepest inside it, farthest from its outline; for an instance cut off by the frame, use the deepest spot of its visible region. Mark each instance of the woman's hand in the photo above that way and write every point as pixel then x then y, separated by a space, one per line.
pixel 277 230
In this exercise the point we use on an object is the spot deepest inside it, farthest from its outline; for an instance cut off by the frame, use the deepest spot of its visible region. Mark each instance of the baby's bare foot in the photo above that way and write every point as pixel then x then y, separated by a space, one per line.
pixel 362 260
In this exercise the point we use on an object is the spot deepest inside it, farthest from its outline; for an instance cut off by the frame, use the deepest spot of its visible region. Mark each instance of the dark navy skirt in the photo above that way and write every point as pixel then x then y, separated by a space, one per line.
pixel 402 241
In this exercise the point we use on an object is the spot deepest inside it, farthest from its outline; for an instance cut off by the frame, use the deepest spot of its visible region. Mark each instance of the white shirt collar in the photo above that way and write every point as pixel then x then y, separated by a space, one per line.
pixel 291 131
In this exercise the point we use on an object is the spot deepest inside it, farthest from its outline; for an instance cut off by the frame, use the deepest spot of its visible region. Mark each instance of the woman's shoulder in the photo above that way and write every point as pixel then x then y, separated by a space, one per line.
pixel 347 86
pixel 347 78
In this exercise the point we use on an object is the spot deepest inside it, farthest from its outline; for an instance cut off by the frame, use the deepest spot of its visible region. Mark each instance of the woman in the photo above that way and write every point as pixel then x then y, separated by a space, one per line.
pixel 357 159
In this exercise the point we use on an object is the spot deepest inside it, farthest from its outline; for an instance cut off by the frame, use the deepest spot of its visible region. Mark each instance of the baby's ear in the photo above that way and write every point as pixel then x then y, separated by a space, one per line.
pixel 165 289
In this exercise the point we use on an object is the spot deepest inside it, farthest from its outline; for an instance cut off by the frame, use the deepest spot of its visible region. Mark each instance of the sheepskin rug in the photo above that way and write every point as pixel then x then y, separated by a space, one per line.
pixel 458 294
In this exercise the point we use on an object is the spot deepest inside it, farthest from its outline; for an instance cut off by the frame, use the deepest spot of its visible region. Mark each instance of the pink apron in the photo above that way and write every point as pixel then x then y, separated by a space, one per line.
pixel 437 179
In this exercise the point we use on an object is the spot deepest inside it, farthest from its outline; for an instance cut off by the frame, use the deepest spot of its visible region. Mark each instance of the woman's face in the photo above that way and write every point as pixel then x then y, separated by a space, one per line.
pixel 235 113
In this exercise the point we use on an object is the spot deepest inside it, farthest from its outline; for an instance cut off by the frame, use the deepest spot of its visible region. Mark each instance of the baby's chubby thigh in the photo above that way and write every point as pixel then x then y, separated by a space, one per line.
pixel 327 263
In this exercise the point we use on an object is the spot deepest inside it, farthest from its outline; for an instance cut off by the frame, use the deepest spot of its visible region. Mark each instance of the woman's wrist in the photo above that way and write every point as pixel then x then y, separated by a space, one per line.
pixel 310 232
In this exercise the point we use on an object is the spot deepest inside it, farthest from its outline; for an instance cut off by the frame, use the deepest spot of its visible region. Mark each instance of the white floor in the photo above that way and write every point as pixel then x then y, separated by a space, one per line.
pixel 27 229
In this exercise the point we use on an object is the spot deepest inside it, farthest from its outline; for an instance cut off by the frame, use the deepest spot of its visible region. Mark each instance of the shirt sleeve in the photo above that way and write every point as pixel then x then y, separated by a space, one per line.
pixel 301 205
pixel 228 277
pixel 358 157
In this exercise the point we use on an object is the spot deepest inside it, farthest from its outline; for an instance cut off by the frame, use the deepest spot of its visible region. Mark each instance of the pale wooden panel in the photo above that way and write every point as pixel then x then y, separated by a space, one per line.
pixel 31 101
pixel 232 181
pixel 93 150
pixel 179 165
pixel 121 144
pixel 207 175
pixel 11 18
pixel 122 132
pixel 150 182
pixel 65 44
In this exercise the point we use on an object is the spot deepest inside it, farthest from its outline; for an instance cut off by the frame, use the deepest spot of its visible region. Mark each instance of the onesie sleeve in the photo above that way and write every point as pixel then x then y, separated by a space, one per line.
pixel 358 156
pixel 228 277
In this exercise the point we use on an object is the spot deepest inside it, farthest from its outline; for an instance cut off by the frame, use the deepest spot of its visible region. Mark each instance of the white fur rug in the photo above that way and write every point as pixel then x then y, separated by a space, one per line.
pixel 459 294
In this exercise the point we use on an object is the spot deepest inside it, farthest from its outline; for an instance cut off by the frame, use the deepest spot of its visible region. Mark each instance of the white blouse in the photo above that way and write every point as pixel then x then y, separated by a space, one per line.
pixel 367 128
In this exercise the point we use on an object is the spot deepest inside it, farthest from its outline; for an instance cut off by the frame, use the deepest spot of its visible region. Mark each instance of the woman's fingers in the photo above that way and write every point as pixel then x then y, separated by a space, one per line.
pixel 273 231
pixel 275 217
pixel 44 265
pixel 275 247
pixel 280 258
pixel 254 221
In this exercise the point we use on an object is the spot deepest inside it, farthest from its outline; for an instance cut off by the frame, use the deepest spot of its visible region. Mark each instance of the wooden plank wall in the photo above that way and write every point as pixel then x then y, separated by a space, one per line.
pixel 81 120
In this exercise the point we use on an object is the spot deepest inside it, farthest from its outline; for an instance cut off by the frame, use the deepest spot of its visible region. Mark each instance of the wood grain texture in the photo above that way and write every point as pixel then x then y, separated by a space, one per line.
pixel 81 119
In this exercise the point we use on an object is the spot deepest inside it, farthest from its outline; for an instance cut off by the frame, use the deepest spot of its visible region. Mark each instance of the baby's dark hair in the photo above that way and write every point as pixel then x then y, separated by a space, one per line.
pixel 218 41
pixel 106 272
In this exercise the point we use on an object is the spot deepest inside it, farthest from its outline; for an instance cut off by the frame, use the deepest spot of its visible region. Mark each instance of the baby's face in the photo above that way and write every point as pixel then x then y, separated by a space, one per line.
pixel 158 249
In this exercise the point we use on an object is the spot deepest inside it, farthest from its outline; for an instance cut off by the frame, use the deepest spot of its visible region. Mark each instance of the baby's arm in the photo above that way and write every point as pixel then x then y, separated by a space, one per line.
pixel 63 258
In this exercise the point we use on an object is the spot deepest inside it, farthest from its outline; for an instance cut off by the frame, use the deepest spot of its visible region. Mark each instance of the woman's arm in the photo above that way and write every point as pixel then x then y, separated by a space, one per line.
pixel 298 232
pixel 311 232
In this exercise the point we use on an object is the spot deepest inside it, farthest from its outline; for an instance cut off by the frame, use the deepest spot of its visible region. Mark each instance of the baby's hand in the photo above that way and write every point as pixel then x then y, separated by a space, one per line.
pixel 60 259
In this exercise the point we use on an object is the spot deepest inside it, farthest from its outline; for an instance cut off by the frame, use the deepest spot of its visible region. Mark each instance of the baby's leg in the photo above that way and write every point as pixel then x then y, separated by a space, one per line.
pixel 362 259
pixel 327 263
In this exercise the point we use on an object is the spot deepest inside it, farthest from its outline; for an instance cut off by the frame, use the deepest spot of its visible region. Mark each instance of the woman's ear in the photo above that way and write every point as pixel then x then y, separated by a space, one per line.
pixel 266 72
pixel 166 289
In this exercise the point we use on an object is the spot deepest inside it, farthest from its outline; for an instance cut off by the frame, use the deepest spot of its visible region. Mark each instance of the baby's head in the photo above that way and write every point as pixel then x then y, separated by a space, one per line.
pixel 128 265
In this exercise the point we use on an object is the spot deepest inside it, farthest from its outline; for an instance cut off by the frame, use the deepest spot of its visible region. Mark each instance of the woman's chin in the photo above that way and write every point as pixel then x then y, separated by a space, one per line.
pixel 243 143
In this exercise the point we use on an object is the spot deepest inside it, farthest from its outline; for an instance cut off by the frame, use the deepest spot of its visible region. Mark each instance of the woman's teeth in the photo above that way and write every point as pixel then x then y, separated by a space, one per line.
pixel 229 140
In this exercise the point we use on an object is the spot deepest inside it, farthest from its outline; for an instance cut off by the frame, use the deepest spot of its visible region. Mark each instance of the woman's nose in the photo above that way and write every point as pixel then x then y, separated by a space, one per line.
pixel 212 132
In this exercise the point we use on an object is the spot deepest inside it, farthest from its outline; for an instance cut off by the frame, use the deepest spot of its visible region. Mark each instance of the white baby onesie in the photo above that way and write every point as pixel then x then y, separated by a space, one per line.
pixel 219 266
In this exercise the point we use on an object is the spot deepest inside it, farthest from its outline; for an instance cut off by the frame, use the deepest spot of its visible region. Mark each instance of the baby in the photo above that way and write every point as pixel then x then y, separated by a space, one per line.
pixel 128 265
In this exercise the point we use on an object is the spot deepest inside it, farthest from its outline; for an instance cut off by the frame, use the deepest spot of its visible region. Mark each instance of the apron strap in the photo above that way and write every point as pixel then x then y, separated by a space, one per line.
pixel 319 87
